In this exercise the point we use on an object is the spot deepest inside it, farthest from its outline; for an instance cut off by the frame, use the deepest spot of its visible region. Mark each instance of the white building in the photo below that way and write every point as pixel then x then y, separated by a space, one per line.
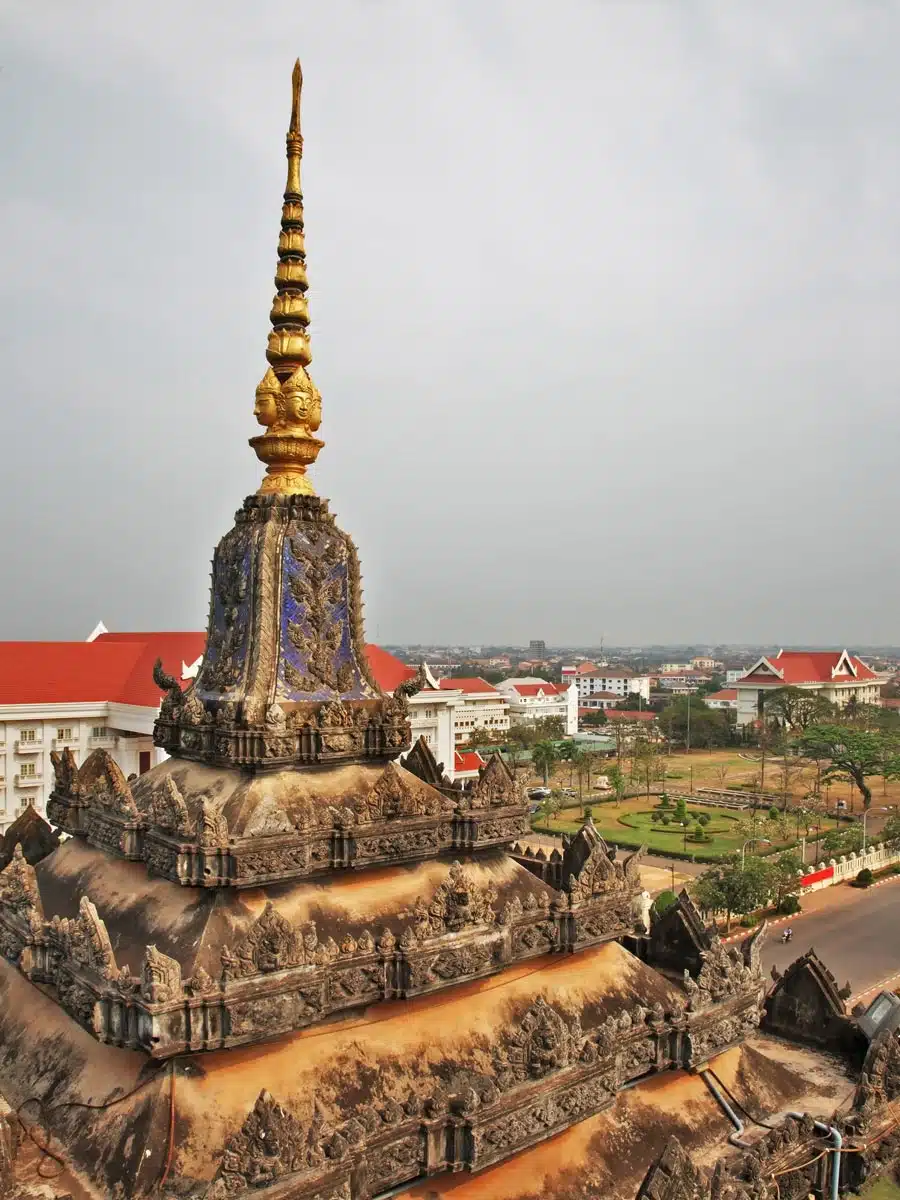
pixel 530 699
pixel 683 683
pixel 599 701
pixel 674 668
pixel 702 663
pixel 84 696
pixel 725 698
pixel 480 706
pixel 837 676
pixel 735 673
pixel 616 681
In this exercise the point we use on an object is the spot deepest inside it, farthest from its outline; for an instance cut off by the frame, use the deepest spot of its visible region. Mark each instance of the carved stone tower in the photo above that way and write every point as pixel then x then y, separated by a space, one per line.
pixel 283 883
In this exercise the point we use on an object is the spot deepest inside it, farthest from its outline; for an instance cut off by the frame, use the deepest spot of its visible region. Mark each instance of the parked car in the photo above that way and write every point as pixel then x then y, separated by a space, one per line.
pixel 568 791
pixel 539 793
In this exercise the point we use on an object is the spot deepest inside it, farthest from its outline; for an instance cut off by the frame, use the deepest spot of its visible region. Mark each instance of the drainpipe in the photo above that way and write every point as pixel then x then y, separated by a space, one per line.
pixel 836 1143
pixel 734 1138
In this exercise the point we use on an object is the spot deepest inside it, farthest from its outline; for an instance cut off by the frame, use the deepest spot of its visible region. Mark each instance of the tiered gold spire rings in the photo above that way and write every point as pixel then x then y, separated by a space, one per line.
pixel 288 403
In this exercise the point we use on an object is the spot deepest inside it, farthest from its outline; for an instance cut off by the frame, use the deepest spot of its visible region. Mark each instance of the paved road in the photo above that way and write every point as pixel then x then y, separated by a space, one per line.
pixel 856 934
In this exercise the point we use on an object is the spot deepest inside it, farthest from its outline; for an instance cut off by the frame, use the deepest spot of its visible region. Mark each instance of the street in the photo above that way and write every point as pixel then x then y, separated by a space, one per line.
pixel 856 933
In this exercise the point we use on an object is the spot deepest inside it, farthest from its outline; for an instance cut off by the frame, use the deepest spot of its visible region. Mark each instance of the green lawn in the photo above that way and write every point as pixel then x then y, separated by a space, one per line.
pixel 882 1189
pixel 633 824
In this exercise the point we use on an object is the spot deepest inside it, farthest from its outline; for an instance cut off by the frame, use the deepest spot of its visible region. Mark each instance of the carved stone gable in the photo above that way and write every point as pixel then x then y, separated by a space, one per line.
pixel 65 769
pixel 100 781
pixel 458 902
pixel 86 941
pixel 679 938
pixel 19 887
pixel 495 787
pixel 212 825
pixel 805 1004
pixel 30 831
pixel 394 795
pixel 880 1077
pixel 545 1042
pixel 673 1176
pixel 167 808
pixel 270 1144
pixel 422 763
pixel 273 944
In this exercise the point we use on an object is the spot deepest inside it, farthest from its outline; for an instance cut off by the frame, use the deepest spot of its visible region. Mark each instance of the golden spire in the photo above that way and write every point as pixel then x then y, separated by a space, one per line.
pixel 287 401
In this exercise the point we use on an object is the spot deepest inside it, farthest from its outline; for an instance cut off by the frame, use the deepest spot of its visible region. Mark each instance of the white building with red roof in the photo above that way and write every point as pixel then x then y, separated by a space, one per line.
pixel 724 698
pixel 480 706
pixel 618 681
pixel 82 695
pixel 836 675
pixel 530 699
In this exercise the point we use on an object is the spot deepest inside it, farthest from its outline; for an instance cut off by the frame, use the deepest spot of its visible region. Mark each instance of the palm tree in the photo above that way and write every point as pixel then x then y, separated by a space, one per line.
pixel 544 756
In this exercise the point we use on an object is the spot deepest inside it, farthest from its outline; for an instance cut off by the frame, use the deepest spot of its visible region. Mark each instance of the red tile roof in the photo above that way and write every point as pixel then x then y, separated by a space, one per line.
pixel 621 714
pixel 118 668
pixel 800 666
pixel 389 672
pixel 466 685
pixel 724 694
pixel 467 760
pixel 532 689
pixel 110 669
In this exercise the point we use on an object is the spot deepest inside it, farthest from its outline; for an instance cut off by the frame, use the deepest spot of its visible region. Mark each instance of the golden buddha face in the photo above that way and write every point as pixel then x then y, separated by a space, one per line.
pixel 265 409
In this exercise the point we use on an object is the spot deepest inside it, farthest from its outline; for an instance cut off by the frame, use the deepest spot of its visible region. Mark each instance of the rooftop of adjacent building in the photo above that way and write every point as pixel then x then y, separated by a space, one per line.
pixel 804 666
pixel 723 694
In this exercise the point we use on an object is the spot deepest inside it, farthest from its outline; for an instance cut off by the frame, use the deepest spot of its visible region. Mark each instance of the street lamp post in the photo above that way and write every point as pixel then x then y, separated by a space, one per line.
pixel 762 842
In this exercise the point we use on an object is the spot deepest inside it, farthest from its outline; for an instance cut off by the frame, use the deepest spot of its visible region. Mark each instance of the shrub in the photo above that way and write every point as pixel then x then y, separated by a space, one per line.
pixel 704 818
pixel 789 905
pixel 774 814
pixel 587 811
pixel 864 878
pixel 749 922
pixel 665 819
pixel 664 801
pixel 699 834
pixel 664 902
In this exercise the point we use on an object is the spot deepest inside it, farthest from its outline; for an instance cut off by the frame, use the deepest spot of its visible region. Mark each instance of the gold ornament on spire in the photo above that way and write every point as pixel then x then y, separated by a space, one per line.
pixel 288 403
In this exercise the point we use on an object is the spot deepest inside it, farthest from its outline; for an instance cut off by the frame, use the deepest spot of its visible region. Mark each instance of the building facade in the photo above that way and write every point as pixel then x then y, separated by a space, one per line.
pixel 836 675
pixel 724 698
pixel 614 681
pixel 531 699
pixel 480 706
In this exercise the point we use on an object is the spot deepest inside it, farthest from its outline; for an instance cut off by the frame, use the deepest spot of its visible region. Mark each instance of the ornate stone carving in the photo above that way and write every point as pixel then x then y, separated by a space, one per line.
pixel 879 1082
pixel 458 902
pixel 270 1144
pixel 173 693
pixel 495 787
pixel 168 810
pixel 806 1005
pixel 65 770
pixel 100 781
pixel 160 977
pixel 545 1042
pixel 273 944
pixel 19 888
pixel 85 940
pixel 212 826
pixel 673 1176
pixel 394 796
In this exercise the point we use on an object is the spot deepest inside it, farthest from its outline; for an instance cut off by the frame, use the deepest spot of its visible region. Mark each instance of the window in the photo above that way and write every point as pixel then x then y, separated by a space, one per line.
pixel 26 735
pixel 64 734
pixel 99 731
pixel 27 770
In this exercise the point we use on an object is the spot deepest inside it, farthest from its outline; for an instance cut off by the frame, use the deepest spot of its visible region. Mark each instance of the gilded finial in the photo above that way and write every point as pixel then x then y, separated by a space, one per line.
pixel 288 403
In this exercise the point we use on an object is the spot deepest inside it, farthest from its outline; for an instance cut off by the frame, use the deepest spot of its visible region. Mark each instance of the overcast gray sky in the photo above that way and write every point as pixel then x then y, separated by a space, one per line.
pixel 604 301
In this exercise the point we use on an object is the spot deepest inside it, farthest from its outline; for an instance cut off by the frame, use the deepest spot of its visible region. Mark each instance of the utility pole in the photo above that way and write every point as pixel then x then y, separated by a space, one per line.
pixel 688 738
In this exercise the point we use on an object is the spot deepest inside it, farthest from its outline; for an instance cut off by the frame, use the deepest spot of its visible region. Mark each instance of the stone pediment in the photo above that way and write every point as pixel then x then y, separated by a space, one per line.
pixel 30 831
pixel 208 828
pixel 806 1004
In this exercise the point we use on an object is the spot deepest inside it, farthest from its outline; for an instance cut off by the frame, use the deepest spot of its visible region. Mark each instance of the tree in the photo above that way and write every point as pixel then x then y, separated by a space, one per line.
pixel 616 781
pixel 796 708
pixel 549 807
pixel 548 727
pixel 594 717
pixel 681 812
pixel 786 871
pixel 790 772
pixel 720 770
pixel 890 835
pixel 709 726
pixel 647 764
pixel 854 754
pixel 842 841
pixel 728 889
pixel 544 756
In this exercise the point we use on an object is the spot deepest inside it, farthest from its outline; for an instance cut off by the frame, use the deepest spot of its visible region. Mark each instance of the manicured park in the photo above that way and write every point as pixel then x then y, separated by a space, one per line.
pixel 636 822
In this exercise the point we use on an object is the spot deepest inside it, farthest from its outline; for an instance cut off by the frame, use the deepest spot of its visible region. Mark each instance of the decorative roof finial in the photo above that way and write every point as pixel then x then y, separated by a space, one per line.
pixel 288 403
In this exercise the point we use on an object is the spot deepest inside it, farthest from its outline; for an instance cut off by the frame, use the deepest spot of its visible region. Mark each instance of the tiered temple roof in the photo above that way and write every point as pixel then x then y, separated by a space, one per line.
pixel 282 963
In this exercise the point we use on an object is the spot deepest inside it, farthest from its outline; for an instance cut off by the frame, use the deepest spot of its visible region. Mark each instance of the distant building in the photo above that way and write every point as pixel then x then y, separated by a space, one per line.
pixel 836 675
pixel 735 673
pixel 599 701
pixel 480 706
pixel 726 698
pixel 674 668
pixel 467 764
pixel 683 683
pixel 531 699
pixel 537 649
pixel 618 681
pixel 702 663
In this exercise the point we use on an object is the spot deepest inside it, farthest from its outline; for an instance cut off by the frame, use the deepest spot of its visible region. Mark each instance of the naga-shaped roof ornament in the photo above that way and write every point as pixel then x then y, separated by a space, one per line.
pixel 288 403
